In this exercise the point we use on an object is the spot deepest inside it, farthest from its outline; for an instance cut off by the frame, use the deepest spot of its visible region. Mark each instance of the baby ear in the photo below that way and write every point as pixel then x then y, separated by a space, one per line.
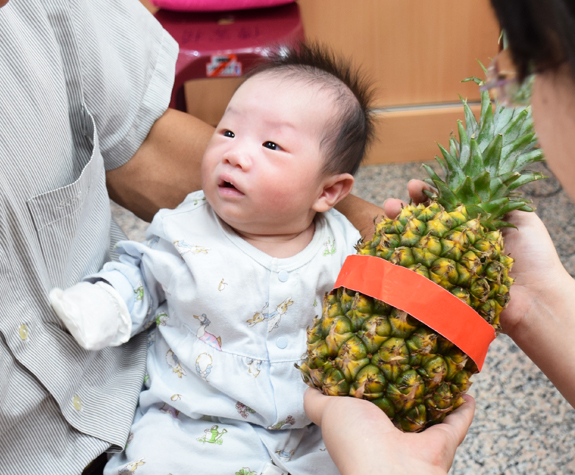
pixel 335 189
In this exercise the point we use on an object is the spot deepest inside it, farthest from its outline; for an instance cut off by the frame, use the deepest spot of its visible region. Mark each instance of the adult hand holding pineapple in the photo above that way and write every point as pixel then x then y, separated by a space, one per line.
pixel 361 439
pixel 539 317
pixel 537 269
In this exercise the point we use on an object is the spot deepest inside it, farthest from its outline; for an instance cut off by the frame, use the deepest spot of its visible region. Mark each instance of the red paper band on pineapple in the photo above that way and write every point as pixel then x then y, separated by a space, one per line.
pixel 421 298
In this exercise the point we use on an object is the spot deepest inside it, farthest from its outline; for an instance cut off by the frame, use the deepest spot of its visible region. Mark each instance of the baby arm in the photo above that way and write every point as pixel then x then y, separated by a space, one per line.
pixel 107 308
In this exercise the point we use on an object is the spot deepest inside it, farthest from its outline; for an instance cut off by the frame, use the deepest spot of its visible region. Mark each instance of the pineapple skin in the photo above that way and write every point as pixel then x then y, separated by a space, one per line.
pixel 365 348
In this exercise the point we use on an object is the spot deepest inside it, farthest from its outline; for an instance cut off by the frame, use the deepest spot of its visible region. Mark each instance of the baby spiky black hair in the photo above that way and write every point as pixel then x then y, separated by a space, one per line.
pixel 346 139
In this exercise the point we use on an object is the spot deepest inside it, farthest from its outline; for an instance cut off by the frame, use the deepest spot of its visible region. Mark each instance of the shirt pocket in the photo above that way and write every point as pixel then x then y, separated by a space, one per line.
pixel 73 222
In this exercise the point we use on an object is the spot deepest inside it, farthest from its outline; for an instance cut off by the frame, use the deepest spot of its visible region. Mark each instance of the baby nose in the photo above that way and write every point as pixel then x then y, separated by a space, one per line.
pixel 238 158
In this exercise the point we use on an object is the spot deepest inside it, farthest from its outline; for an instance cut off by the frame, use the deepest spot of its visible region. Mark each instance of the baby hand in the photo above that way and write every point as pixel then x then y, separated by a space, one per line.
pixel 95 314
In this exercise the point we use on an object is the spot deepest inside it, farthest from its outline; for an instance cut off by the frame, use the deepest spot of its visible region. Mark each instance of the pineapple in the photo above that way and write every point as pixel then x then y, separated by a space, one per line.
pixel 365 348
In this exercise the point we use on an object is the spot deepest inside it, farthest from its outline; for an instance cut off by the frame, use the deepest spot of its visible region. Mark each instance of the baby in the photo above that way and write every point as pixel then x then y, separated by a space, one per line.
pixel 233 277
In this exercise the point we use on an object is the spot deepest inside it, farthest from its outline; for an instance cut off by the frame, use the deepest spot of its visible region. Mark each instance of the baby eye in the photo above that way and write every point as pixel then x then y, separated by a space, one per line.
pixel 229 133
pixel 271 145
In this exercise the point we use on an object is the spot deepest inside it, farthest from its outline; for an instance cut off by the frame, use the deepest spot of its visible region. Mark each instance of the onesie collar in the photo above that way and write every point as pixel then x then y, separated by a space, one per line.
pixel 274 263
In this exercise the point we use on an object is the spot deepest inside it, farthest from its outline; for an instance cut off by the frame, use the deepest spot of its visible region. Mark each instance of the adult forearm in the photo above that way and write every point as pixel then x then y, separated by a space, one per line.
pixel 547 334
pixel 165 168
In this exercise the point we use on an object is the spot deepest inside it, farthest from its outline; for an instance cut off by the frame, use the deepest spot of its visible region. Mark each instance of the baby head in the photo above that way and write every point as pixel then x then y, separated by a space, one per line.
pixel 288 144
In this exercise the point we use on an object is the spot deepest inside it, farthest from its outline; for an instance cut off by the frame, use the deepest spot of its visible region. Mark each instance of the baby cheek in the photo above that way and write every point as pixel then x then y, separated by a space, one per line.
pixel 271 198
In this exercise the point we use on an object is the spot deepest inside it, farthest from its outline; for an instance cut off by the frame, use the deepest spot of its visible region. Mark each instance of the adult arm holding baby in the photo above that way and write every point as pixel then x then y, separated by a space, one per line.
pixel 165 168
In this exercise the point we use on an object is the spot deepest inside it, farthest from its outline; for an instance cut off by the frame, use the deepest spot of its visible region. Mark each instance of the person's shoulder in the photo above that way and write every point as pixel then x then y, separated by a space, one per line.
pixel 193 201
pixel 336 219
pixel 341 229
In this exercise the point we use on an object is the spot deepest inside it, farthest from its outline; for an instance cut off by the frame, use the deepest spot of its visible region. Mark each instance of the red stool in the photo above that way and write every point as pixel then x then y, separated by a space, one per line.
pixel 226 44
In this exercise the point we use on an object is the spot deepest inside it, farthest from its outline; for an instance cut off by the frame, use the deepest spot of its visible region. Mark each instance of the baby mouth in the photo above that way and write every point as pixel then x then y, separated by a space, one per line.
pixel 228 186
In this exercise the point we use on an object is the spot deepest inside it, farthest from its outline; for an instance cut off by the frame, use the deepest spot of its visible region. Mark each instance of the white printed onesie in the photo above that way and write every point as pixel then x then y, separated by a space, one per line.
pixel 222 395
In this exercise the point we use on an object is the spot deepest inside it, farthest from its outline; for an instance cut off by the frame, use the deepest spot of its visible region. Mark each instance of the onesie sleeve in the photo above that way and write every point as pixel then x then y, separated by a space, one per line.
pixel 141 275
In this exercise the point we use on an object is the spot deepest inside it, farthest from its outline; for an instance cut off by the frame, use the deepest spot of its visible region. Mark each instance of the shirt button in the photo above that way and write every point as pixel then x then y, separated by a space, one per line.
pixel 283 276
pixel 23 332
pixel 281 342
pixel 77 402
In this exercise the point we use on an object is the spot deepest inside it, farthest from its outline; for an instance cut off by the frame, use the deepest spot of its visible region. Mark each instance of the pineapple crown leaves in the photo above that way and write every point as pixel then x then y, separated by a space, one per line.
pixel 483 166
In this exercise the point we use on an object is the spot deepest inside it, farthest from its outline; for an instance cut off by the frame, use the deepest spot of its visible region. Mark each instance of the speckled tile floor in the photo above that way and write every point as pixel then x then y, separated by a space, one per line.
pixel 522 424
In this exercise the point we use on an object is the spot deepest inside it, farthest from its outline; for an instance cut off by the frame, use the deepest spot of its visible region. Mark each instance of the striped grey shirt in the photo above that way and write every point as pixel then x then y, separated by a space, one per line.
pixel 81 83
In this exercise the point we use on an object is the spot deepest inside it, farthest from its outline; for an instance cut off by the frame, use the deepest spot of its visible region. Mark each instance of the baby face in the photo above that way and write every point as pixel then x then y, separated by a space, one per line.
pixel 262 170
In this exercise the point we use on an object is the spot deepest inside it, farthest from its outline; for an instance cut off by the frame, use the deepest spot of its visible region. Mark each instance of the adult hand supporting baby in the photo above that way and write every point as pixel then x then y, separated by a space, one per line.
pixel 361 439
